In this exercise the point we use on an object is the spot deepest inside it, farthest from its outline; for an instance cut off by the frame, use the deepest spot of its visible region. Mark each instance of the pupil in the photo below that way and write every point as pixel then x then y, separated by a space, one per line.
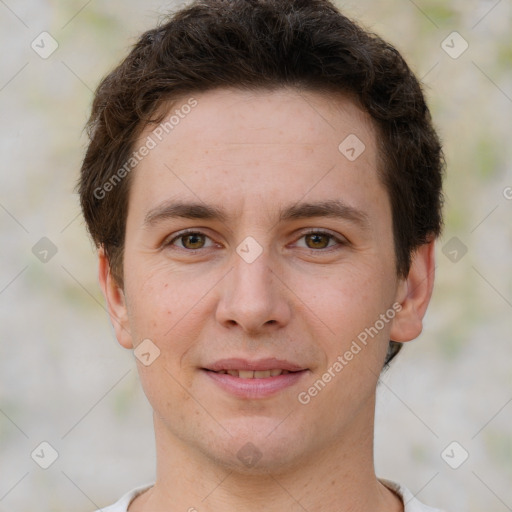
pixel 316 237
pixel 189 237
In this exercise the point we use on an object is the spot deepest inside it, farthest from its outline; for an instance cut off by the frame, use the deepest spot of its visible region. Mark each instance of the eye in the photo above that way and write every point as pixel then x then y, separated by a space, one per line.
pixel 190 240
pixel 321 239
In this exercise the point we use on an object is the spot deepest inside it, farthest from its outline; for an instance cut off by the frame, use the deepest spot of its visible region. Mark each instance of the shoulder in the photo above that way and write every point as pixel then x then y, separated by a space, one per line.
pixel 124 502
pixel 411 503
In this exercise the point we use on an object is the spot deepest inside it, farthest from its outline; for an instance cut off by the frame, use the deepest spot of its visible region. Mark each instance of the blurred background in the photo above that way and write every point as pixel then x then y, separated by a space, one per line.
pixel 444 414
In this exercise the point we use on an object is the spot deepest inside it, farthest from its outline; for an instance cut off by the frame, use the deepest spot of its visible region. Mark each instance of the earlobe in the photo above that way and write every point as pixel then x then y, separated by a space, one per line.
pixel 414 295
pixel 115 299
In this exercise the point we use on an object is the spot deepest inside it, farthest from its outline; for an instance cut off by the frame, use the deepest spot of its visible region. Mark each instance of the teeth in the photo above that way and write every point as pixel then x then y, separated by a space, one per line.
pixel 249 374
pixel 262 374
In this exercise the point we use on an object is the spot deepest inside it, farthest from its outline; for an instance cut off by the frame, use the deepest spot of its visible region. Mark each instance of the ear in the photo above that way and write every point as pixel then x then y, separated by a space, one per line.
pixel 414 294
pixel 116 303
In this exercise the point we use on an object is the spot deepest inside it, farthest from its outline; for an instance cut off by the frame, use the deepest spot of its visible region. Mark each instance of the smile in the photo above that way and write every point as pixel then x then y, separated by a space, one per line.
pixel 248 374
pixel 254 384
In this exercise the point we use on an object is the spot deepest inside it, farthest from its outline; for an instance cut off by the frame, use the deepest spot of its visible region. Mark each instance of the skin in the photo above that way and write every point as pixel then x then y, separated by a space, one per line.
pixel 304 299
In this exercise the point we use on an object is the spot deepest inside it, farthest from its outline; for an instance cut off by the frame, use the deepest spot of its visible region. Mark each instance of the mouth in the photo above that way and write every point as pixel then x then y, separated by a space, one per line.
pixel 249 374
pixel 254 379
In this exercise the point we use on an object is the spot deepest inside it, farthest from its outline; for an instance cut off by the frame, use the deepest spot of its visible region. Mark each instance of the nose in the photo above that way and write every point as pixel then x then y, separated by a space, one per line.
pixel 254 296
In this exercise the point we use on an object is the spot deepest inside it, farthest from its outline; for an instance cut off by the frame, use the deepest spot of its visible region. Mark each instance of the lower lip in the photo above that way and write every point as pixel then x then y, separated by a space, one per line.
pixel 255 388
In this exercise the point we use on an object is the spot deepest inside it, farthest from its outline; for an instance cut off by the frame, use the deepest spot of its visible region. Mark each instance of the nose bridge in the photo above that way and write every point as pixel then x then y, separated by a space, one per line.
pixel 252 296
pixel 252 269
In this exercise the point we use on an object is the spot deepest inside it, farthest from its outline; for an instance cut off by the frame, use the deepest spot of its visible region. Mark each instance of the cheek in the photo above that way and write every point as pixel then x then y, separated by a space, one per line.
pixel 153 303
pixel 159 310
pixel 351 306
pixel 164 306
pixel 348 301
pixel 149 303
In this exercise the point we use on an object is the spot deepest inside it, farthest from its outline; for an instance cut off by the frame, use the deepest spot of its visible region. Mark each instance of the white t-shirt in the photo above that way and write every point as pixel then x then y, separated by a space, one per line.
pixel 411 504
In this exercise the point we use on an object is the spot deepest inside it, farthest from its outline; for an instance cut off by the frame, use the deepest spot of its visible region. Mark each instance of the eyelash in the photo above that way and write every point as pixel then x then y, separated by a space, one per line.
pixel 182 234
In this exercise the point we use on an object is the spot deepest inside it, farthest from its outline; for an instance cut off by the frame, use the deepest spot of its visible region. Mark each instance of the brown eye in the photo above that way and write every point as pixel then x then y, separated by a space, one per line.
pixel 322 241
pixel 189 240
pixel 192 241
pixel 318 240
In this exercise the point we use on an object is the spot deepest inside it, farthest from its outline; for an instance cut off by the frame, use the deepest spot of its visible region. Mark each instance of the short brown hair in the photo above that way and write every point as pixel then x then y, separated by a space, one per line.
pixel 265 44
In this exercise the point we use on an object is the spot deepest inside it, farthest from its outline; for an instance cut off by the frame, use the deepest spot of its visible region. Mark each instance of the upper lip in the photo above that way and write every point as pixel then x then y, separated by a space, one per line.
pixel 257 365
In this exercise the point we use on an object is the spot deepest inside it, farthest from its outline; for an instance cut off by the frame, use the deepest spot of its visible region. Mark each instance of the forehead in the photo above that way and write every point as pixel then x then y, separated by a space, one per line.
pixel 254 149
pixel 299 116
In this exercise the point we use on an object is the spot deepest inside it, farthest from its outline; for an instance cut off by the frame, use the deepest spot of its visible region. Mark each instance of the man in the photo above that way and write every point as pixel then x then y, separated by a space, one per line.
pixel 264 185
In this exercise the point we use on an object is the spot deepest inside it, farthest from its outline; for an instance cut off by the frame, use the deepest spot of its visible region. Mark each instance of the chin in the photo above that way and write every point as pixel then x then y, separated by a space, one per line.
pixel 258 446
pixel 251 460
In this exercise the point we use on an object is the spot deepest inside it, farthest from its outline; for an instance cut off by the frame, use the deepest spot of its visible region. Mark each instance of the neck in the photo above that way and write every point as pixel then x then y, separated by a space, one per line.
pixel 338 478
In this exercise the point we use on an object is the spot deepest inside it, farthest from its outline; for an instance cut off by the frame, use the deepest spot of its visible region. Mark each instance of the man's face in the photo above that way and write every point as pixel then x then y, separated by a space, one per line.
pixel 272 285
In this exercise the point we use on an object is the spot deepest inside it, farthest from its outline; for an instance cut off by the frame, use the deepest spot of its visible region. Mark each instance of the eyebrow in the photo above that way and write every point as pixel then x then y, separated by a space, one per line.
pixel 336 209
pixel 179 209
